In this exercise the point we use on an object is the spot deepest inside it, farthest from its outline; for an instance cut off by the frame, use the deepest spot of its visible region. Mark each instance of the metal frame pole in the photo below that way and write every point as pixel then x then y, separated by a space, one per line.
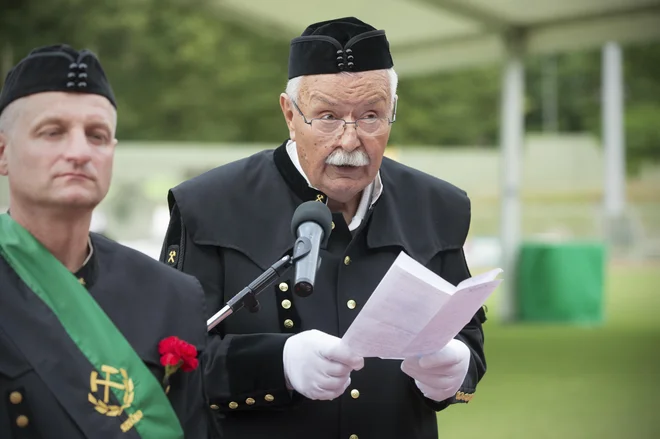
pixel 614 175
pixel 512 134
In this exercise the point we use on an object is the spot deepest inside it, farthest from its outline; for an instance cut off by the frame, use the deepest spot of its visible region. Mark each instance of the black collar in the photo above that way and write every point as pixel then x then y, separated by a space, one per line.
pixel 88 274
pixel 294 180
pixel 396 219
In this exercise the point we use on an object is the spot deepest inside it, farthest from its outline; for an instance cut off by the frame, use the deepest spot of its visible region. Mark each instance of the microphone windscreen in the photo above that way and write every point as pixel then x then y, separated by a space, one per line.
pixel 314 211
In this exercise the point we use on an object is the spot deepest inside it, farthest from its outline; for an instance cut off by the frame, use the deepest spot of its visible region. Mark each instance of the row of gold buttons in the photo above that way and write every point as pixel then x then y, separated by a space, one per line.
pixel 249 401
pixel 351 304
pixel 16 398
pixel 286 304
pixel 355 394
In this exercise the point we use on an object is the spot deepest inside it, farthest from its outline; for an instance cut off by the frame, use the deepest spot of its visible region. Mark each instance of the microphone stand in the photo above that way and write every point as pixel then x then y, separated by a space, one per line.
pixel 247 297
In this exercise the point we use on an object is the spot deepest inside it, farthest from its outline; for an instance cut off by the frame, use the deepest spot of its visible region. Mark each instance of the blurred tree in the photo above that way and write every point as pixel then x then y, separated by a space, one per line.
pixel 454 108
pixel 642 77
pixel 179 71
pixel 580 95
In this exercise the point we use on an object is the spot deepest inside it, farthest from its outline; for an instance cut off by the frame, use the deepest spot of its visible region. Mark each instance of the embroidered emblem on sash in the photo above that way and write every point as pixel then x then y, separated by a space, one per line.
pixel 101 388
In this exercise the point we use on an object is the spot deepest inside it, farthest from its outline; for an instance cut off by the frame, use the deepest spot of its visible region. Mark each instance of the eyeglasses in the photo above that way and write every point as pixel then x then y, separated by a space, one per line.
pixel 370 126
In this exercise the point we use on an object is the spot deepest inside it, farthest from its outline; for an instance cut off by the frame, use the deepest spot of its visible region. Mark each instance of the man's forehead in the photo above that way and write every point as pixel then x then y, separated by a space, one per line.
pixel 67 105
pixel 336 101
pixel 373 86
pixel 374 76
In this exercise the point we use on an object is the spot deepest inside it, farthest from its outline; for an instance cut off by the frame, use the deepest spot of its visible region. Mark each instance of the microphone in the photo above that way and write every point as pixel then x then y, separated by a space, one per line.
pixel 311 225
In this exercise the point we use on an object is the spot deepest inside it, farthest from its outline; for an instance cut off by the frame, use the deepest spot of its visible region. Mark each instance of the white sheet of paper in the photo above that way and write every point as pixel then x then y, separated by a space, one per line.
pixel 413 311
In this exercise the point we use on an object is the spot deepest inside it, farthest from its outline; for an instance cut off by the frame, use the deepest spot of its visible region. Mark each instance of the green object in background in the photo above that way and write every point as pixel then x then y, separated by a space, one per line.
pixel 561 282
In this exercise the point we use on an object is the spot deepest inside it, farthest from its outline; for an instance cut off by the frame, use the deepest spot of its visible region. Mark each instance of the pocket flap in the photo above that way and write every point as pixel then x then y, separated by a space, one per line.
pixel 12 362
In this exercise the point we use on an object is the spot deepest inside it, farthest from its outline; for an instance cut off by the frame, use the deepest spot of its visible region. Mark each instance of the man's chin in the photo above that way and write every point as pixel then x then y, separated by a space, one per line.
pixel 344 190
pixel 76 201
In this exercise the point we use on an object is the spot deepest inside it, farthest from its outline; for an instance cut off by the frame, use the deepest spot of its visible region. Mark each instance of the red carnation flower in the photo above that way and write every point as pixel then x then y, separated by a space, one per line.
pixel 174 354
pixel 169 359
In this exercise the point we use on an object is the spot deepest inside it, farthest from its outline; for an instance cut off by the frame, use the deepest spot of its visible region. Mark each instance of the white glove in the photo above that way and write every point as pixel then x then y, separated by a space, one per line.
pixel 439 375
pixel 317 366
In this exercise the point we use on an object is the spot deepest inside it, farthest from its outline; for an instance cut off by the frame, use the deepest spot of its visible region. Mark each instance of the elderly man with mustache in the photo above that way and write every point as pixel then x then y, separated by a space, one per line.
pixel 282 372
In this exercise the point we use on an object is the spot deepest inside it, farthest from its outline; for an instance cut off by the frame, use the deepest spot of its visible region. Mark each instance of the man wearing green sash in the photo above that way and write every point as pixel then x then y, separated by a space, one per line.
pixel 96 340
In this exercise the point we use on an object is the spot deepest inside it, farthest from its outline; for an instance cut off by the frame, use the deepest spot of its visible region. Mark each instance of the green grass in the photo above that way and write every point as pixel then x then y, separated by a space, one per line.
pixel 564 381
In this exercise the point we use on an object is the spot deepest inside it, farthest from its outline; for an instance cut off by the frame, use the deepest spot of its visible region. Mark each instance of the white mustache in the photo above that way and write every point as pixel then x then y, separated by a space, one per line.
pixel 344 158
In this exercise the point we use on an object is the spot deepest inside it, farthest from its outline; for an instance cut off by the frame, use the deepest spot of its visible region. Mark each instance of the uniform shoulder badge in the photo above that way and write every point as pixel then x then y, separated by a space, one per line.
pixel 172 255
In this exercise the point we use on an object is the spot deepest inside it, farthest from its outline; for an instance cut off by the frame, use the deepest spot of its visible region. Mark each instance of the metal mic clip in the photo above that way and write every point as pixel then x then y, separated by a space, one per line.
pixel 301 248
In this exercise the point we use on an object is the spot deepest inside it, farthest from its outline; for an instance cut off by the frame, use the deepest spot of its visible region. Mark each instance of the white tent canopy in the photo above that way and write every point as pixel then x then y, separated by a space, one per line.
pixel 431 35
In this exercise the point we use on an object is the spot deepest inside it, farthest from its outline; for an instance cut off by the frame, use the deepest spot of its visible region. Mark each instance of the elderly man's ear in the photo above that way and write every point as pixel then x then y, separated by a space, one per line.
pixel 288 111
pixel 3 155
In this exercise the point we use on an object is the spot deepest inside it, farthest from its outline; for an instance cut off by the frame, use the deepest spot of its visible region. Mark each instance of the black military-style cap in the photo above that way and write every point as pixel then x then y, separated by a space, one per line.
pixel 56 68
pixel 344 44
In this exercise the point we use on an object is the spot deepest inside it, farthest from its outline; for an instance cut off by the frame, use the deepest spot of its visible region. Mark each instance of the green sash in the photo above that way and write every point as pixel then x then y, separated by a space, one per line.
pixel 141 395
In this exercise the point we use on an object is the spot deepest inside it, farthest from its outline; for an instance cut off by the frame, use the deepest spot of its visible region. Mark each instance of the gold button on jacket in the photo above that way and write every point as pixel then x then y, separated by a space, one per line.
pixel 15 397
pixel 22 421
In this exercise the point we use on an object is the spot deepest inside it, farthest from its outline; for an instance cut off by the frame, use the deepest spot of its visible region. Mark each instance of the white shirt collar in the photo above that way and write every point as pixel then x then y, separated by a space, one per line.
pixel 369 196
pixel 89 255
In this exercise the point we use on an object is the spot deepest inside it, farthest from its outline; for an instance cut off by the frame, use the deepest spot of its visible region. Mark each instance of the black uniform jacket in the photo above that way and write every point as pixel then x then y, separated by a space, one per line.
pixel 230 224
pixel 146 301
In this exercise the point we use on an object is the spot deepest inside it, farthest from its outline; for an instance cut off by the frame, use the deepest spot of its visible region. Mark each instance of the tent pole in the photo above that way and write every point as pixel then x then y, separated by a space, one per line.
pixel 512 133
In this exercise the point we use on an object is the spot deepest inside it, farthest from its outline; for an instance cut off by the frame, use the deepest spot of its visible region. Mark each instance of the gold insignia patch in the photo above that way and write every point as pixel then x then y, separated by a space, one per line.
pixel 320 198
pixel 462 396
pixel 101 402
pixel 172 255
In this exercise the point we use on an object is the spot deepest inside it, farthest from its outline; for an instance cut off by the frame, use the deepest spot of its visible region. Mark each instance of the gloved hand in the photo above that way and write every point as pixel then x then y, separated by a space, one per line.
pixel 317 366
pixel 439 375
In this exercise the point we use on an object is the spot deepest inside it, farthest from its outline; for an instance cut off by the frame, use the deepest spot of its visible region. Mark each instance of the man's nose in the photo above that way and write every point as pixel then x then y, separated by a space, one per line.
pixel 349 139
pixel 78 148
